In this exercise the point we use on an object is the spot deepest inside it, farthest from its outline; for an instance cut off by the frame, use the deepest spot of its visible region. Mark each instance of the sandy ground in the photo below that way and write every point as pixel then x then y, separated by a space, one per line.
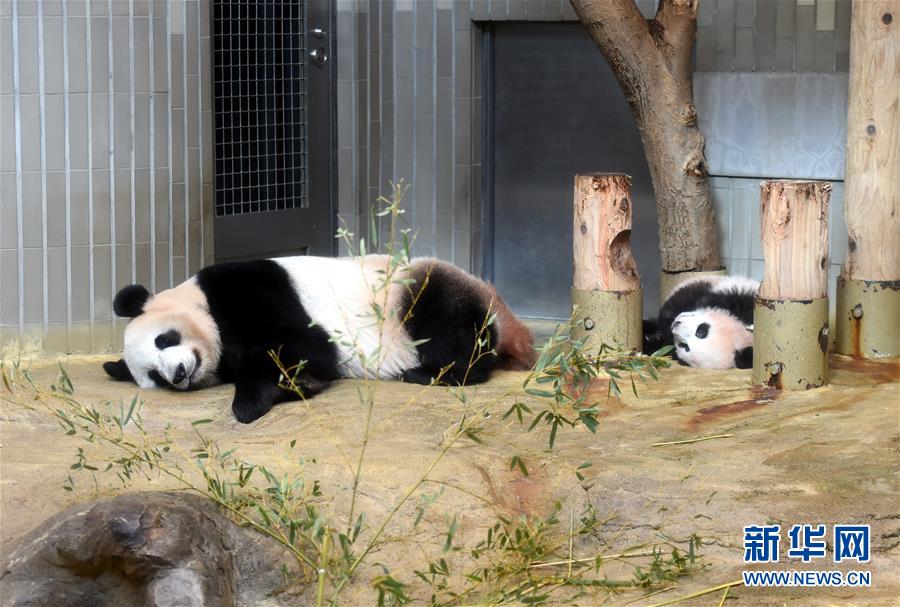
pixel 823 456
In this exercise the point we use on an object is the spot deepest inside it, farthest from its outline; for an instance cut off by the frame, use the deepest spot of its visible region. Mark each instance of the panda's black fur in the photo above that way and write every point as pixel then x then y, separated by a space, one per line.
pixel 257 310
pixel 448 322
pixel 732 295
pixel 253 308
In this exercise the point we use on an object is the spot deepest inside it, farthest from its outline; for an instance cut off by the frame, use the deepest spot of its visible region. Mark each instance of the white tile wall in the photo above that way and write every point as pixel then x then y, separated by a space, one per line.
pixel 86 85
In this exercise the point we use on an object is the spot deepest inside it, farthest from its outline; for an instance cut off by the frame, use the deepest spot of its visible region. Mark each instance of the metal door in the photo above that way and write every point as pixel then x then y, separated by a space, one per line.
pixel 554 109
pixel 274 158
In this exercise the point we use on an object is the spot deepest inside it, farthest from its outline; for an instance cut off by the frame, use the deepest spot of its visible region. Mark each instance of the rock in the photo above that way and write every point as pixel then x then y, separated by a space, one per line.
pixel 156 549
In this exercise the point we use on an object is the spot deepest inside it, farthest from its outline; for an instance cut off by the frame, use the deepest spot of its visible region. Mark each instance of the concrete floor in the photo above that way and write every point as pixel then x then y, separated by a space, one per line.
pixel 823 456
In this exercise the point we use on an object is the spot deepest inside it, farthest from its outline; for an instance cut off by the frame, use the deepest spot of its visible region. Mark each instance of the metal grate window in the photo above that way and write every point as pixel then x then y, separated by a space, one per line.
pixel 260 105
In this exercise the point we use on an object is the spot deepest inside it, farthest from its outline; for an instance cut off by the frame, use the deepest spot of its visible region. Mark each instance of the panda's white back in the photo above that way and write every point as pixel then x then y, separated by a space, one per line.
pixel 736 284
pixel 338 294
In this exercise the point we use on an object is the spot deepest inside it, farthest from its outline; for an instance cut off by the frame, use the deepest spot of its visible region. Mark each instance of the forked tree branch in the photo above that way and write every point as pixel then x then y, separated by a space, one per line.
pixel 652 61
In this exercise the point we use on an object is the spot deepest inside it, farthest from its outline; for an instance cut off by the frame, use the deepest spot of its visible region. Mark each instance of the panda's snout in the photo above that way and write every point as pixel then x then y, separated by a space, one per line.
pixel 180 374
pixel 177 365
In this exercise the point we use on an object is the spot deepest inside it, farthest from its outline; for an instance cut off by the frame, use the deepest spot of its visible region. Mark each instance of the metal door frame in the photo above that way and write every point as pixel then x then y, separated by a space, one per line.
pixel 254 235
pixel 487 151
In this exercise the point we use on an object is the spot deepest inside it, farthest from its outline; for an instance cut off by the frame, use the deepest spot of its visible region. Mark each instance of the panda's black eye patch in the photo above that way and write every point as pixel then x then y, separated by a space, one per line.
pixel 168 339
pixel 702 330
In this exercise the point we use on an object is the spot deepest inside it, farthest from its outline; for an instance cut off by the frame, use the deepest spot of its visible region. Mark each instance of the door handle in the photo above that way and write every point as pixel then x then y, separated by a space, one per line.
pixel 318 56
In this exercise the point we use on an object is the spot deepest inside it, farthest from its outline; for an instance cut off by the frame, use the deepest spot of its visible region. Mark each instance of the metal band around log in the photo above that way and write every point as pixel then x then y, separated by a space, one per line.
pixel 868 318
pixel 790 343
pixel 608 317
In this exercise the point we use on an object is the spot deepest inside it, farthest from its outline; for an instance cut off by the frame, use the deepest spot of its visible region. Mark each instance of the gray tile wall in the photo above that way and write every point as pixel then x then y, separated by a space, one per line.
pixel 409 102
pixel 105 137
pixel 409 107
pixel 105 162
pixel 764 124
pixel 773 35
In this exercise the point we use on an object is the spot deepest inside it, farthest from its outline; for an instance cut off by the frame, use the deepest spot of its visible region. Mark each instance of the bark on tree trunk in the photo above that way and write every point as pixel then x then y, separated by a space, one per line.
pixel 652 62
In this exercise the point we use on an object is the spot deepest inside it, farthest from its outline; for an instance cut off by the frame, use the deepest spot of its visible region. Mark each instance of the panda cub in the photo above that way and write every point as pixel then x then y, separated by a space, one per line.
pixel 221 325
pixel 709 320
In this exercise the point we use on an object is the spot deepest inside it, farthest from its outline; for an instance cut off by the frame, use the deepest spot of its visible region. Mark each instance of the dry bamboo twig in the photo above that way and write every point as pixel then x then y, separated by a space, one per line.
pixel 694 595
pixel 611 557
pixel 693 440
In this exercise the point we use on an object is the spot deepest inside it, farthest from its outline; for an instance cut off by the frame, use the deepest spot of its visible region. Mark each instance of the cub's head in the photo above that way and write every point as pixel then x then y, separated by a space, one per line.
pixel 711 338
pixel 172 340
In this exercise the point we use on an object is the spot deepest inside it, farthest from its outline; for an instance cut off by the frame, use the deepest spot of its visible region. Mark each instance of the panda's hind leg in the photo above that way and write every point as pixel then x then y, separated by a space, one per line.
pixel 418 376
pixel 449 315
pixel 462 369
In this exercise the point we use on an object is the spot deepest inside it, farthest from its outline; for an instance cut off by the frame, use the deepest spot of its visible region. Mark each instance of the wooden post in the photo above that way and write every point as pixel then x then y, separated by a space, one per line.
pixel 868 294
pixel 790 315
pixel 607 289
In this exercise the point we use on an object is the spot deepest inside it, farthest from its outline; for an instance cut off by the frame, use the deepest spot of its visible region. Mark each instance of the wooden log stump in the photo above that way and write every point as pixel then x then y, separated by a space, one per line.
pixel 868 293
pixel 790 315
pixel 606 289
pixel 795 239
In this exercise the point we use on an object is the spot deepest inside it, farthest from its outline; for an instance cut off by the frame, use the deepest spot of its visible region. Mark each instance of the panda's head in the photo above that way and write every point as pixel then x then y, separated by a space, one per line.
pixel 710 338
pixel 172 340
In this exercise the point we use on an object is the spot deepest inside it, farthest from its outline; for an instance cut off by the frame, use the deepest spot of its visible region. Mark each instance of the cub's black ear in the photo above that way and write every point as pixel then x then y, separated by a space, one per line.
pixel 130 300
pixel 653 337
pixel 118 370
pixel 743 359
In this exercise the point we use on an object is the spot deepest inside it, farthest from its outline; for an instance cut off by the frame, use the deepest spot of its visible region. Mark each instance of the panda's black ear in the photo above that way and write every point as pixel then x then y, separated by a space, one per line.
pixel 743 359
pixel 130 300
pixel 118 370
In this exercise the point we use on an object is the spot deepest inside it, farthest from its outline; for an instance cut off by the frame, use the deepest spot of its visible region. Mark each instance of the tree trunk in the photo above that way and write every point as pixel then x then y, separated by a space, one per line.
pixel 652 62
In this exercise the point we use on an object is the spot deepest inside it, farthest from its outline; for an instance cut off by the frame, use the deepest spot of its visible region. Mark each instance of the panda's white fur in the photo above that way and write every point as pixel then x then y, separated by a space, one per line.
pixel 318 313
pixel 338 294
pixel 721 284
pixel 724 336
pixel 708 320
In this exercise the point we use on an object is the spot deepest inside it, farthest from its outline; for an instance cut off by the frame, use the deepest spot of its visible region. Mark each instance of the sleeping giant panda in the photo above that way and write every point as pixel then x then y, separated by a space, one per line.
pixel 220 325
pixel 709 320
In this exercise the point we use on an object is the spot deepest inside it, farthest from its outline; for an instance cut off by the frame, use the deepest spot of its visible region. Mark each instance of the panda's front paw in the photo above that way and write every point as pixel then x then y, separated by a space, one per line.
pixel 743 359
pixel 253 400
pixel 248 413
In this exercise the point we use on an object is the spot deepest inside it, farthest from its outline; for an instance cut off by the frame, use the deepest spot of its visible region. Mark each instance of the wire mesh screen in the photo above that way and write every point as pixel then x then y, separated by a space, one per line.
pixel 260 105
